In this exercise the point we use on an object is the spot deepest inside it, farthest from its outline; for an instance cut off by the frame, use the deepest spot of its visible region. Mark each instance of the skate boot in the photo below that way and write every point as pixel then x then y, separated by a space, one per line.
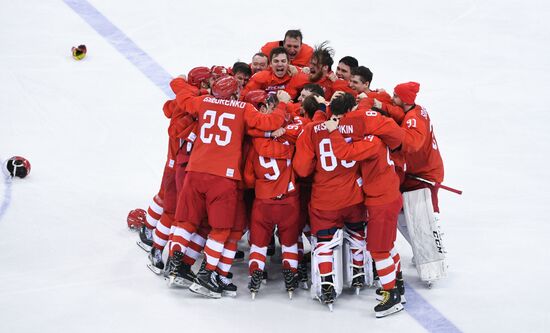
pixel 255 282
pixel 390 304
pixel 206 284
pixel 239 256
pixel 399 284
pixel 145 238
pixel 227 286
pixel 291 281
pixel 358 281
pixel 328 294
pixel 179 273
pixel 155 257
pixel 302 274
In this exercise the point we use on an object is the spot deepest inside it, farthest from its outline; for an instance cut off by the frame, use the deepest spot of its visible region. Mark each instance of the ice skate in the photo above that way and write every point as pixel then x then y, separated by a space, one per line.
pixel 179 273
pixel 328 294
pixel 227 286
pixel 255 282
pixel 358 281
pixel 399 284
pixel 239 256
pixel 390 304
pixel 206 284
pixel 291 281
pixel 145 241
pixel 156 265
pixel 302 275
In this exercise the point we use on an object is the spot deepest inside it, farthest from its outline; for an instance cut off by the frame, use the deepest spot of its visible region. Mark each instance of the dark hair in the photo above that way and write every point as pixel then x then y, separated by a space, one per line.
pixel 342 104
pixel 297 34
pixel 241 67
pixel 276 51
pixel 261 54
pixel 363 72
pixel 310 105
pixel 350 61
pixel 314 88
pixel 323 54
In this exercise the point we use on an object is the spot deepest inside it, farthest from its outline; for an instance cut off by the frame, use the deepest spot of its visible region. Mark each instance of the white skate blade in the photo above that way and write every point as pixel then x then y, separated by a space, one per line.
pixel 144 246
pixel 198 289
pixel 394 309
pixel 429 284
pixel 303 285
pixel 290 294
pixel 154 269
pixel 253 295
pixel 229 293
pixel 330 307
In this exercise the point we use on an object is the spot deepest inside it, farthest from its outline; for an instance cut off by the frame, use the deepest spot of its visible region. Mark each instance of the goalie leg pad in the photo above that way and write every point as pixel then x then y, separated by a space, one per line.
pixel 425 238
pixel 322 244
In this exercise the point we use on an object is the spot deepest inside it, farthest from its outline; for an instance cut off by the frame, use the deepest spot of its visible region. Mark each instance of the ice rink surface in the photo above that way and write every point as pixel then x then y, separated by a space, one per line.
pixel 96 137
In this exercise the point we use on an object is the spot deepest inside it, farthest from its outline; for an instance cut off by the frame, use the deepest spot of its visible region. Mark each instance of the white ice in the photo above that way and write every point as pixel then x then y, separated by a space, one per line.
pixel 96 137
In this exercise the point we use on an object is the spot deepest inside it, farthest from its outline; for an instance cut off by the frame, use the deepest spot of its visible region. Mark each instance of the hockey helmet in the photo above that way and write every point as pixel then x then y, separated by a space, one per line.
pixel 225 87
pixel 197 75
pixel 18 166
pixel 136 219
pixel 219 71
pixel 256 97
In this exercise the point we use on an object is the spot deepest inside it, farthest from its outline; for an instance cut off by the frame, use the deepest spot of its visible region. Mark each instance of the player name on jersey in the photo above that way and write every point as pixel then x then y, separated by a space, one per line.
pixel 226 102
pixel 344 129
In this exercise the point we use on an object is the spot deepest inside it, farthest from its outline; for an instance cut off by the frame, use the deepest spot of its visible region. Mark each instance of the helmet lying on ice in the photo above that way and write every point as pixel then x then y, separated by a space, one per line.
pixel 136 218
pixel 18 166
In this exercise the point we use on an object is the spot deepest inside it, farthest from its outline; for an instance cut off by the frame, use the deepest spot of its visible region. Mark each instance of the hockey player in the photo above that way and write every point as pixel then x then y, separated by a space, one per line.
pixel 259 62
pixel 345 66
pixel 336 201
pixel 298 53
pixel 320 72
pixel 242 72
pixel 375 138
pixel 213 171
pixel 422 160
pixel 275 78
pixel 277 201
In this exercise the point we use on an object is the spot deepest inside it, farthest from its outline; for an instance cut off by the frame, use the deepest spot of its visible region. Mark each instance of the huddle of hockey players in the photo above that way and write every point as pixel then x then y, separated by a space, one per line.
pixel 287 147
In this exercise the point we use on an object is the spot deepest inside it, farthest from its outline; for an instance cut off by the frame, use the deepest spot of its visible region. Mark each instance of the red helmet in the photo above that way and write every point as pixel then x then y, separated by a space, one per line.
pixel 219 71
pixel 256 97
pixel 136 219
pixel 197 75
pixel 18 166
pixel 225 87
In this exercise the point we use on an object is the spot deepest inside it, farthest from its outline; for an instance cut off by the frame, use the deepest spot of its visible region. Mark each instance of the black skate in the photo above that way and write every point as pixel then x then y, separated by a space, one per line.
pixel 390 304
pixel 328 294
pixel 206 284
pixel 179 273
pixel 145 241
pixel 358 280
pixel 155 257
pixel 227 286
pixel 255 282
pixel 291 281
pixel 239 256
pixel 302 274
pixel 399 284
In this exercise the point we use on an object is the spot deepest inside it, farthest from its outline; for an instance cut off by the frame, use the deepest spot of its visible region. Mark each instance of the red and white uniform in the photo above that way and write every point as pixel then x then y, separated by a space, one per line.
pixel 301 79
pixel 210 187
pixel 266 80
pixel 301 59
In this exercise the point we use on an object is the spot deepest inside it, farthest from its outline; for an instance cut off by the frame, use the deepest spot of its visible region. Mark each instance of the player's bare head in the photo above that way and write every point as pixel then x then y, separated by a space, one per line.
pixel 310 105
pixel 310 88
pixel 259 62
pixel 293 42
pixel 321 61
pixel 278 60
pixel 242 72
pixel 342 104
pixel 345 66
pixel 361 78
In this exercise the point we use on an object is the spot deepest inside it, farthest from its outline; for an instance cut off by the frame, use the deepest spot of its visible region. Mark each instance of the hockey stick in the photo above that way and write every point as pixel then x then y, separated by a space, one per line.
pixel 436 185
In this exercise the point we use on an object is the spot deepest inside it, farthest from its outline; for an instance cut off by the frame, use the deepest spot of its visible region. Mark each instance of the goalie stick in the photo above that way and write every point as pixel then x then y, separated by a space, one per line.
pixel 437 185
